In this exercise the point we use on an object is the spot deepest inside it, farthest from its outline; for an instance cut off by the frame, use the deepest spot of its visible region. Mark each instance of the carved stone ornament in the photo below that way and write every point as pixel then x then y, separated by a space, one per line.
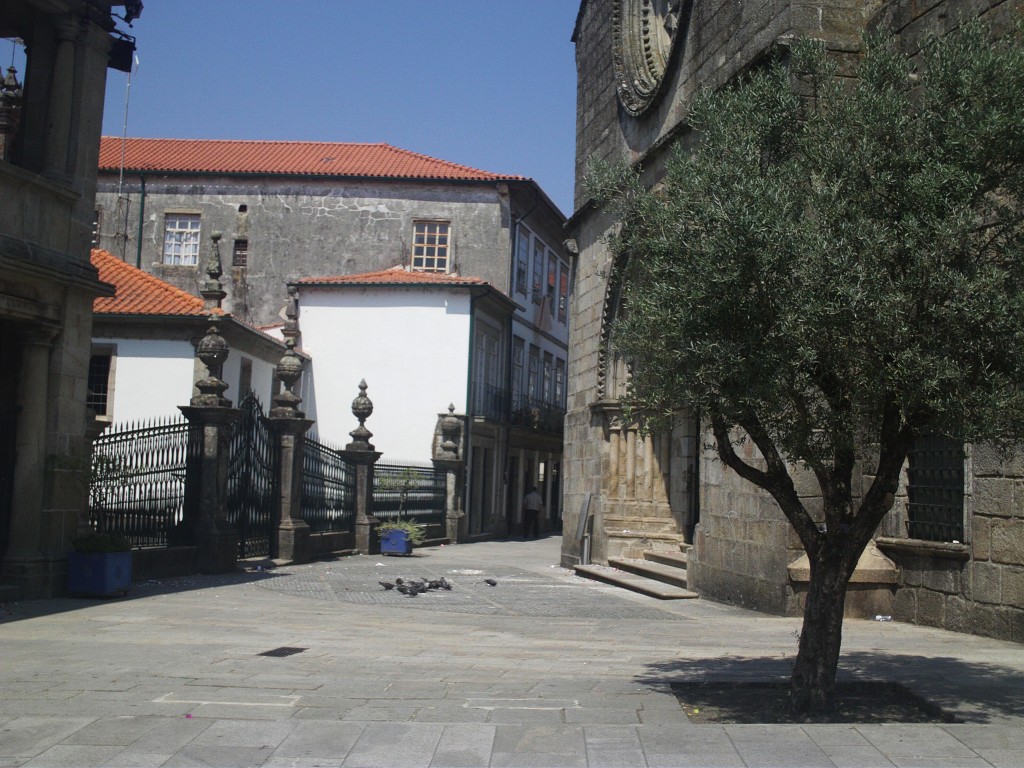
pixel 647 35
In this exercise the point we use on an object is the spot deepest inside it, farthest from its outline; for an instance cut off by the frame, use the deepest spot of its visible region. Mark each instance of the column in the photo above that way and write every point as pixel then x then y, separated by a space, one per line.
pixel 360 454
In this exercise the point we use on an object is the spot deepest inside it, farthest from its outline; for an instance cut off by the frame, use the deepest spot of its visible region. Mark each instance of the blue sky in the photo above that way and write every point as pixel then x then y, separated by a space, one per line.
pixel 480 82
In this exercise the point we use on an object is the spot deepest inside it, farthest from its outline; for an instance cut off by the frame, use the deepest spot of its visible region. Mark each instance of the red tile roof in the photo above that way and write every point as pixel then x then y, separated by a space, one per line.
pixel 290 158
pixel 394 276
pixel 139 293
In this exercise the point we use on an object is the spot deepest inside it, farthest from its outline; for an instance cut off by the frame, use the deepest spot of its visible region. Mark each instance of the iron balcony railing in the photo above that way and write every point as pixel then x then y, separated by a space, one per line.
pixel 498 404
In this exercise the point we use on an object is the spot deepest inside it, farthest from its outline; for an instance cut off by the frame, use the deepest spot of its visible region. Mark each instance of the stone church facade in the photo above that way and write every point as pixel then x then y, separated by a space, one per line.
pixel 639 62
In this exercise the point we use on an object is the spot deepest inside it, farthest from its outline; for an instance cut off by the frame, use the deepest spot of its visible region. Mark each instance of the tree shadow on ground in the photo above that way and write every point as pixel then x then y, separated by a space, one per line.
pixel 970 691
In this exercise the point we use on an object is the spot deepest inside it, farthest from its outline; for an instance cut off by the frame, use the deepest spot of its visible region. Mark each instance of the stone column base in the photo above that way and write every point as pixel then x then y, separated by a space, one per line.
pixel 216 548
pixel 293 543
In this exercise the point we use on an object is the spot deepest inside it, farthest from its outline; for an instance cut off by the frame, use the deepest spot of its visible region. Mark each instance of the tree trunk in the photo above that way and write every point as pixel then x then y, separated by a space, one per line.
pixel 812 686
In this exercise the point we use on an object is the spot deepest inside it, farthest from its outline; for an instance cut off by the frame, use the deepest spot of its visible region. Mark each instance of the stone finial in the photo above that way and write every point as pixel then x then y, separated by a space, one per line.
pixel 451 429
pixel 291 314
pixel 212 350
pixel 289 371
pixel 362 407
pixel 10 110
pixel 211 291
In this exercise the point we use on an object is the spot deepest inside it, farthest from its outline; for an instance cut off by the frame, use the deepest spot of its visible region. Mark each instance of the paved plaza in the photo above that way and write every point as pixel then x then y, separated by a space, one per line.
pixel 541 669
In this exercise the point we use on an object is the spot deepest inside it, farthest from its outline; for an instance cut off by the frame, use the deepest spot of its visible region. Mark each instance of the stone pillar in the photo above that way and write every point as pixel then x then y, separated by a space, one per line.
pixel 448 458
pixel 206 484
pixel 58 115
pixel 361 455
pixel 30 474
pixel 290 427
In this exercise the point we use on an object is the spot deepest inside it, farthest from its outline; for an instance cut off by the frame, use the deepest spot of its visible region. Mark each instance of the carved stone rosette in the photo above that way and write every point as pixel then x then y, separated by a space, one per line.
pixel 647 35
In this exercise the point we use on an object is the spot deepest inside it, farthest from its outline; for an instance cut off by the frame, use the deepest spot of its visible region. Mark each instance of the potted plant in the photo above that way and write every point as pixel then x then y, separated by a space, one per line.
pixel 399 536
pixel 100 565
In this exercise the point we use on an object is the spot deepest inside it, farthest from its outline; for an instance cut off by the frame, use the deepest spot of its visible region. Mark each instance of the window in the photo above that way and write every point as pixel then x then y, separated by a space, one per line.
pixel 97 226
pixel 244 378
pixel 523 261
pixel 533 380
pixel 99 391
pixel 181 238
pixel 548 374
pixel 538 270
pixel 560 383
pixel 552 276
pixel 935 489
pixel 430 246
pixel 563 293
pixel 240 253
pixel 518 348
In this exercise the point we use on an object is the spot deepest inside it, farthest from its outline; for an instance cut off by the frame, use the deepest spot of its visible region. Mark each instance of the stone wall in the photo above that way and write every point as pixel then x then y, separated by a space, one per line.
pixel 301 229
pixel 743 545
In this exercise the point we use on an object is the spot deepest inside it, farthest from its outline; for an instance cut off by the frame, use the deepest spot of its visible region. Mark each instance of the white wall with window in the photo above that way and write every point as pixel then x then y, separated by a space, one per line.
pixel 148 378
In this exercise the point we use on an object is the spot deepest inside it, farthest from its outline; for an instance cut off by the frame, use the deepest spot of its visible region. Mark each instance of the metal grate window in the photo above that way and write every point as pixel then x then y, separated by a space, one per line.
pixel 936 489
pixel 240 253
pixel 98 387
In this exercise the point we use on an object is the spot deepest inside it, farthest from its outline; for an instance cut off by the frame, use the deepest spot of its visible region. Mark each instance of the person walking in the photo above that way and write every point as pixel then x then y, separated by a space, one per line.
pixel 533 505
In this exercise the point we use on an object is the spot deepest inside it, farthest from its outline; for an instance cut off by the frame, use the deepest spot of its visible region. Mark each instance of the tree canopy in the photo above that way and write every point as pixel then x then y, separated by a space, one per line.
pixel 833 266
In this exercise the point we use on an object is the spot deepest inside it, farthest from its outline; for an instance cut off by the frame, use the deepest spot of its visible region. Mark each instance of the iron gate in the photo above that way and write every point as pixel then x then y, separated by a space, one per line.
pixel 252 479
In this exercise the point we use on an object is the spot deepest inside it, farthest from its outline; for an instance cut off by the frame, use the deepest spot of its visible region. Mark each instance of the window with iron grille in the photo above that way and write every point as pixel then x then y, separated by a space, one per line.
pixel 240 253
pixel 98 385
pixel 430 246
pixel 936 489
pixel 181 239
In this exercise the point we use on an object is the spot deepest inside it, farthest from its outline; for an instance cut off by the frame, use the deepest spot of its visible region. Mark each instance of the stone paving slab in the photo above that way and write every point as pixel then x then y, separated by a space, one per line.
pixel 544 669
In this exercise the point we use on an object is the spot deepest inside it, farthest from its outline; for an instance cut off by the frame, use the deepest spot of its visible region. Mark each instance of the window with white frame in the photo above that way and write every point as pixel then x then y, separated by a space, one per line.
pixel 563 293
pixel 518 350
pixel 552 278
pixel 533 375
pixel 181 239
pixel 560 382
pixel 430 245
pixel 523 261
pixel 549 369
pixel 538 270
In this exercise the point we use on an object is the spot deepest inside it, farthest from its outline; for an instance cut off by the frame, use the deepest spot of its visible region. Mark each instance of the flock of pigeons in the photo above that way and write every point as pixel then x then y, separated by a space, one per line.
pixel 415 587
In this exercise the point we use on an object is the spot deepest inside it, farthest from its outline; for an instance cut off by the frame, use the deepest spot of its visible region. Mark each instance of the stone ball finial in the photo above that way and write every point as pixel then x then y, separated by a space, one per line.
pixel 212 351
pixel 288 371
pixel 362 407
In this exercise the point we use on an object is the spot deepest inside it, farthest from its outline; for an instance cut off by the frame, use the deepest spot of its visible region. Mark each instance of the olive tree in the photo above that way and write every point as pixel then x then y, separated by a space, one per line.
pixel 830 267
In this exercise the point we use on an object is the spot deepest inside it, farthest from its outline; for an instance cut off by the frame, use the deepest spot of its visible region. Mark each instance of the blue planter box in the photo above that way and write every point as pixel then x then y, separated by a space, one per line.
pixel 396 543
pixel 99 573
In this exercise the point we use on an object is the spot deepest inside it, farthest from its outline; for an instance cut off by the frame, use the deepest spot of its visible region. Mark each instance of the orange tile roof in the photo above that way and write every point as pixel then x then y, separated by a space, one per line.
pixel 291 158
pixel 139 293
pixel 394 276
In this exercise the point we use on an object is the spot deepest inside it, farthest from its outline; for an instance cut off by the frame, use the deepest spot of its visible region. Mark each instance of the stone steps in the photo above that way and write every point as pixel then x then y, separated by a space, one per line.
pixel 659 573
pixel 630 581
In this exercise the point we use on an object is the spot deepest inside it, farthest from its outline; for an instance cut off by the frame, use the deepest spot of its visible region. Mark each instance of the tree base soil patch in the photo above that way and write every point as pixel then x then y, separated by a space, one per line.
pixel 767 703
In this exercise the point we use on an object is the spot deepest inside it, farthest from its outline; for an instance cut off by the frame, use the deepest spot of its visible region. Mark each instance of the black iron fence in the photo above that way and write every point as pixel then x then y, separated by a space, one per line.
pixel 328 489
pixel 252 479
pixel 137 485
pixel 402 491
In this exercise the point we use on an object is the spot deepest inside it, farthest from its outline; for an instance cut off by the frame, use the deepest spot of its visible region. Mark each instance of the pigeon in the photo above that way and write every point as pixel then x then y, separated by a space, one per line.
pixel 399 580
pixel 403 589
pixel 386 584
pixel 444 583
pixel 491 582
pixel 433 584
pixel 419 586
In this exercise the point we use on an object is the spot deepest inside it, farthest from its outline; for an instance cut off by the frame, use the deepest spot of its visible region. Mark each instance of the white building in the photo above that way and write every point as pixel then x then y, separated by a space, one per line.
pixel 143 364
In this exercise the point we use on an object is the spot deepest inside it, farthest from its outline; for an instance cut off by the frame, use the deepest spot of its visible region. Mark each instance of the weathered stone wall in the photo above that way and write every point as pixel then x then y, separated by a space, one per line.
pixel 743 544
pixel 301 229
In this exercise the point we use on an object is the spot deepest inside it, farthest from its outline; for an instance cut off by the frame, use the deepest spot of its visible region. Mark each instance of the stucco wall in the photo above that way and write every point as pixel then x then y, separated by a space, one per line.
pixel 411 347
pixel 151 378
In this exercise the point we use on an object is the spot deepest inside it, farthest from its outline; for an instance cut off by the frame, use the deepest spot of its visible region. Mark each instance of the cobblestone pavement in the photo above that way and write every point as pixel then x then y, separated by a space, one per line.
pixel 543 669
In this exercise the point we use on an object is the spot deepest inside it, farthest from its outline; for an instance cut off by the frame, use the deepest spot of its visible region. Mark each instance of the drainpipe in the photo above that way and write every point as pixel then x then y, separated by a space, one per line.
pixel 142 217
pixel 468 443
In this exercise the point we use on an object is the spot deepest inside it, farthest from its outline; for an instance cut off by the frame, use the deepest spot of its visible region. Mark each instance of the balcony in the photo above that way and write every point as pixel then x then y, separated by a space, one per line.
pixel 497 404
